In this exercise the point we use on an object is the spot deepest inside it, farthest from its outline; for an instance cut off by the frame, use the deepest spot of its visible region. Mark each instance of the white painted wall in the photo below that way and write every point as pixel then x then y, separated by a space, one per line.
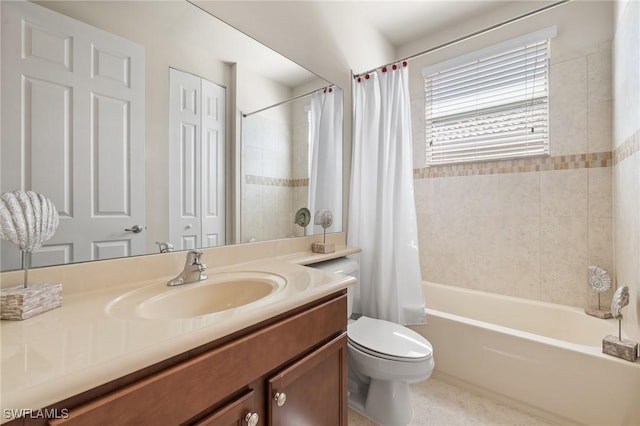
pixel 626 174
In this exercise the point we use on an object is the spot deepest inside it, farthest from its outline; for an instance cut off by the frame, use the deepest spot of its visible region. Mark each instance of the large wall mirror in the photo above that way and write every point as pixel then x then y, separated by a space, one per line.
pixel 127 115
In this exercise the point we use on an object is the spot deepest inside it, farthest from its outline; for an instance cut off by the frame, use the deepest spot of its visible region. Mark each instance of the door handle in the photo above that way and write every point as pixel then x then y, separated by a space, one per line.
pixel 135 229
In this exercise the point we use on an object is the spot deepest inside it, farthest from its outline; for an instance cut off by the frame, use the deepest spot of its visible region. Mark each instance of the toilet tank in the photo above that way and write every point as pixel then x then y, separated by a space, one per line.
pixel 344 266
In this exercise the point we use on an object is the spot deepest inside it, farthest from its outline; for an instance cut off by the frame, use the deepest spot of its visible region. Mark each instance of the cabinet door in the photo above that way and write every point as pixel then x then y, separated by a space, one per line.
pixel 239 412
pixel 313 390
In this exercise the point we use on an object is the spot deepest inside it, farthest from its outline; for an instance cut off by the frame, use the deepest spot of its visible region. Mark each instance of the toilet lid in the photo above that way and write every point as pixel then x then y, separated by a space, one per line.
pixel 388 338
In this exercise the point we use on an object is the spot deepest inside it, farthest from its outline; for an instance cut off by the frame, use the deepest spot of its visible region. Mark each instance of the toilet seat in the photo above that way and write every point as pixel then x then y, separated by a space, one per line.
pixel 387 340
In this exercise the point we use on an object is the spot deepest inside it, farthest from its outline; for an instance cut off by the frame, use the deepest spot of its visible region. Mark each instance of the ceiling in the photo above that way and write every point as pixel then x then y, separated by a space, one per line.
pixel 331 36
pixel 402 22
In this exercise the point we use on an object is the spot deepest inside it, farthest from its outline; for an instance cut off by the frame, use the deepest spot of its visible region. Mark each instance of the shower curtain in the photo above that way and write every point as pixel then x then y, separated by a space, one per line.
pixel 325 176
pixel 382 216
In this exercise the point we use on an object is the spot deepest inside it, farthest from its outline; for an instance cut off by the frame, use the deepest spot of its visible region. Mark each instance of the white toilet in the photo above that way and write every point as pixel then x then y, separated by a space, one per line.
pixel 384 358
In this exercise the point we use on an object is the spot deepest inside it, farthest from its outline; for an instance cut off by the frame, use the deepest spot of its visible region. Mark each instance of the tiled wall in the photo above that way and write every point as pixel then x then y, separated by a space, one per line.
pixel 626 169
pixel 266 172
pixel 300 170
pixel 530 228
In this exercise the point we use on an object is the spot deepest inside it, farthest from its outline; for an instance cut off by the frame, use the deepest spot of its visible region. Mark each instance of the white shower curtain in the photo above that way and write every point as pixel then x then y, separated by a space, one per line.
pixel 325 176
pixel 382 216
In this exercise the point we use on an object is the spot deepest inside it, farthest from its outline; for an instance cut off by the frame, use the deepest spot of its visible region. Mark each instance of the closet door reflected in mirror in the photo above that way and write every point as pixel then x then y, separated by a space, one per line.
pixel 196 162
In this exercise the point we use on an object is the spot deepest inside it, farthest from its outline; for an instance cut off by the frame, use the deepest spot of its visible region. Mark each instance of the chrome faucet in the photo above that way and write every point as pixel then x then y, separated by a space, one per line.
pixel 164 246
pixel 193 270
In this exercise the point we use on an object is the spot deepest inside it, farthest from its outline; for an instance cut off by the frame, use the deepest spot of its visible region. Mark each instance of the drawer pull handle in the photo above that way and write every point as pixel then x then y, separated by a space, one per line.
pixel 280 398
pixel 252 419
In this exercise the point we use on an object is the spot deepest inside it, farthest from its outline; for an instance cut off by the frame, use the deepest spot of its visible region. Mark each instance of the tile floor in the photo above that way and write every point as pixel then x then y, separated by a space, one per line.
pixel 436 403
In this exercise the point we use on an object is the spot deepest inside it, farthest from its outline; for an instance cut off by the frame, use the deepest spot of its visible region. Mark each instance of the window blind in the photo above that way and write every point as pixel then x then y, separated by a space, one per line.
pixel 493 107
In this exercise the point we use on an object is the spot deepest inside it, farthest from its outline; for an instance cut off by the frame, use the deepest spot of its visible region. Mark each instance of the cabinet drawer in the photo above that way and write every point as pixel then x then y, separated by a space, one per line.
pixel 236 413
pixel 177 394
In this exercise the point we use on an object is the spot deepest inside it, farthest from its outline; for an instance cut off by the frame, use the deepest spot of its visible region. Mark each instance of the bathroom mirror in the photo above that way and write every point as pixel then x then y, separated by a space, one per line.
pixel 122 176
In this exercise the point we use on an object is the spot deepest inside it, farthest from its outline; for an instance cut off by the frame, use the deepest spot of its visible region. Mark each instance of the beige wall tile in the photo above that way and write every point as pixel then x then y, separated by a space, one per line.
pixel 450 233
pixel 626 187
pixel 600 126
pixel 514 237
pixel 564 239
pixel 424 195
pixel 600 76
pixel 568 107
pixel 601 254
pixel 453 195
pixel 418 128
pixel 601 243
pixel 563 193
pixel 600 192
pixel 513 277
pixel 483 195
pixel 519 194
pixel 445 267
pixel 564 283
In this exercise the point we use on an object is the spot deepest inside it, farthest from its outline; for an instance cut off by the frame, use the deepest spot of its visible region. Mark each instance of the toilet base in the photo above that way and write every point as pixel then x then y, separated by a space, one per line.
pixel 386 402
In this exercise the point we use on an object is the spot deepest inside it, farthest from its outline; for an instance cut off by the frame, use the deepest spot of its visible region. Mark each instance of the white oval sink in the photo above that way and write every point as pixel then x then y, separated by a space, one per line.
pixel 220 292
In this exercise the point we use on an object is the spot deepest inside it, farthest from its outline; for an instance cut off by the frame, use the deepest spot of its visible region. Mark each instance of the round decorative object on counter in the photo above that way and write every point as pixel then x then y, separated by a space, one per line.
pixel 303 217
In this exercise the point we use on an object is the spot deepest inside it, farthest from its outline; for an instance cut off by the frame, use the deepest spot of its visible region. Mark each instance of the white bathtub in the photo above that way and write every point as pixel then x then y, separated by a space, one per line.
pixel 544 357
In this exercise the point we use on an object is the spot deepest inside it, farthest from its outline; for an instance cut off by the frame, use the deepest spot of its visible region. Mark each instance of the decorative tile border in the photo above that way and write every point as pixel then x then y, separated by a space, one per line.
pixel 558 162
pixel 627 149
pixel 271 181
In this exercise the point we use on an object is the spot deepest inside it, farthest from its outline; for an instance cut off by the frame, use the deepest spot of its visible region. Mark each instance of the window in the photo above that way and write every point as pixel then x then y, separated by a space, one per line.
pixel 490 105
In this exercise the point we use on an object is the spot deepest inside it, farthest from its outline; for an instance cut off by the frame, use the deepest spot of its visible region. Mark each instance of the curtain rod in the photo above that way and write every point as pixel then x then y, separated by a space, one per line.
pixel 471 35
pixel 330 87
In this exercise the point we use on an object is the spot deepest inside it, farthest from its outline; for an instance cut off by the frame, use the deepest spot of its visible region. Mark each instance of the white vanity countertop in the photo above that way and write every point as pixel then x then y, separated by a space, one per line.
pixel 79 346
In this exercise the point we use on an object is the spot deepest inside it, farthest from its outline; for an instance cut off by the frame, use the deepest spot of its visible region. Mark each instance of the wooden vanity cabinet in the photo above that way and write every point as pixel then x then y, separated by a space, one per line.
pixel 302 354
pixel 313 393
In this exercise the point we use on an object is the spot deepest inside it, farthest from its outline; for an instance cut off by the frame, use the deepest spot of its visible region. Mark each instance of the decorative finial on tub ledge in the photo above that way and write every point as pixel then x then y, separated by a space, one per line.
pixel 616 345
pixel 600 282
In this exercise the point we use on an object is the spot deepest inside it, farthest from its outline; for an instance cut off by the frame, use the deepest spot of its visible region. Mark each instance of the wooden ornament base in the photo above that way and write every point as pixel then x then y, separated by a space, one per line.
pixel 19 303
pixel 599 313
pixel 323 248
pixel 625 349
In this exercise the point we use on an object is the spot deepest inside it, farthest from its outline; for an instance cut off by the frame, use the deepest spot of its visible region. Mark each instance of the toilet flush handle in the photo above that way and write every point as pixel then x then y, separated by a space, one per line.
pixel 280 398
